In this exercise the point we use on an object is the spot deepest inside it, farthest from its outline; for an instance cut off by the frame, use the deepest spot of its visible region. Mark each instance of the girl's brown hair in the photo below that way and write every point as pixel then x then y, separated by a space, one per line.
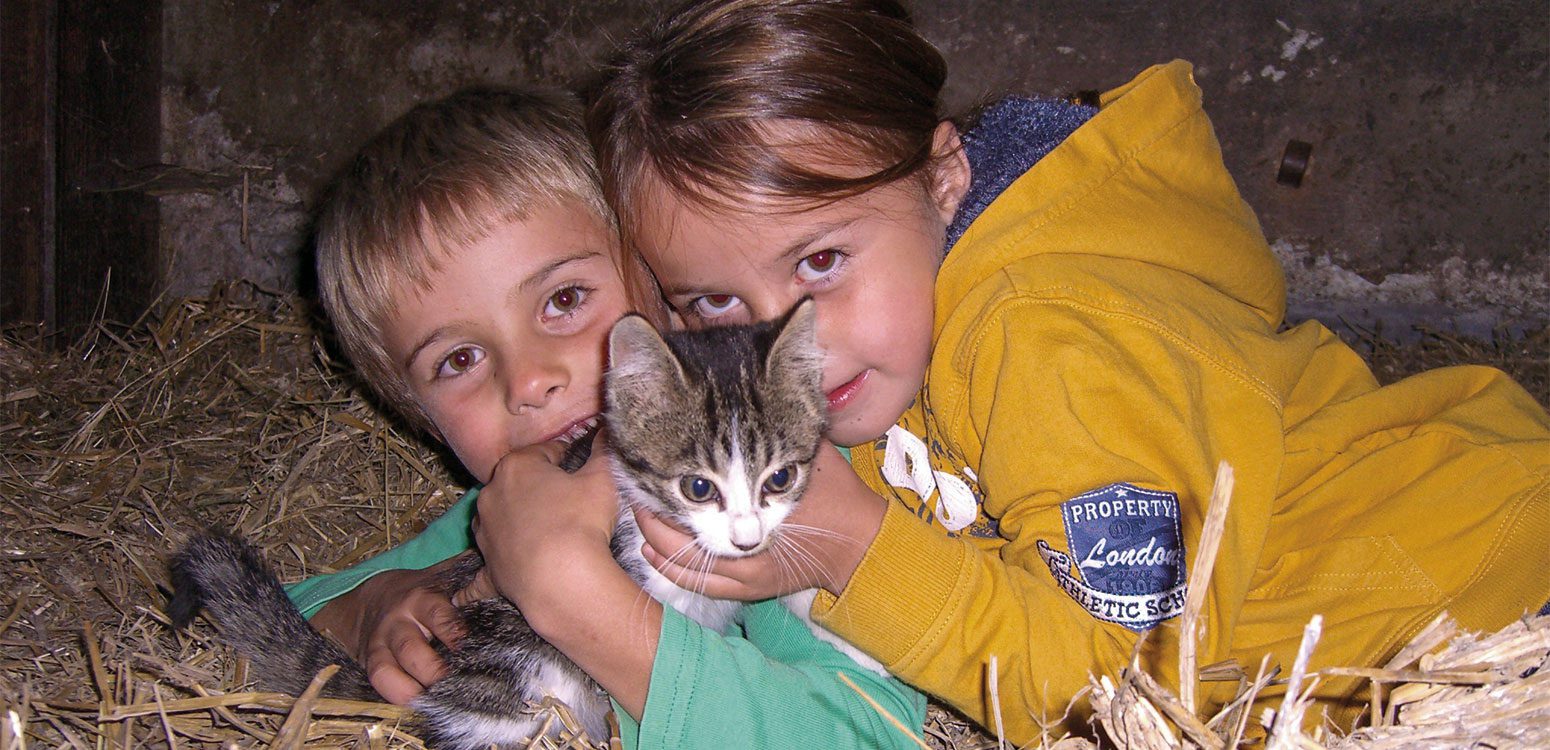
pixel 690 103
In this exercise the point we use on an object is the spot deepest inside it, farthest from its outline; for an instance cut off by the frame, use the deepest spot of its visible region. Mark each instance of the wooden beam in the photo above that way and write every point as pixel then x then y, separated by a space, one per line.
pixel 27 166
pixel 108 262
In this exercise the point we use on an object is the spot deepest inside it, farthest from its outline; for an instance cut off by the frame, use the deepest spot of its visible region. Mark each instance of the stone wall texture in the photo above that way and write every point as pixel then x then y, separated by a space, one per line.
pixel 1428 198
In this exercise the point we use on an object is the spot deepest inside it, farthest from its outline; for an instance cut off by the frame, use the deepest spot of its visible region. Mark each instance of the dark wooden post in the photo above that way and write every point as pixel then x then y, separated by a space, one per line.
pixel 80 113
pixel 108 259
pixel 27 107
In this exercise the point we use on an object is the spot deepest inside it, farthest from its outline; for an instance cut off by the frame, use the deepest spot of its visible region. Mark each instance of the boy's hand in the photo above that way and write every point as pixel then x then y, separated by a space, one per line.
pixel 545 539
pixel 387 624
pixel 533 516
pixel 833 526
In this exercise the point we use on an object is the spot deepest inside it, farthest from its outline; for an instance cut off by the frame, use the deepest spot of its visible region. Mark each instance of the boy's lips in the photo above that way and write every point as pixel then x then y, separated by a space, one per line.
pixel 571 432
pixel 842 396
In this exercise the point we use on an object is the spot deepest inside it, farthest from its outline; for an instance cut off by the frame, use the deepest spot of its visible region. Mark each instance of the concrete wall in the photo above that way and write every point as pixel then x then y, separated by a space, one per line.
pixel 1428 198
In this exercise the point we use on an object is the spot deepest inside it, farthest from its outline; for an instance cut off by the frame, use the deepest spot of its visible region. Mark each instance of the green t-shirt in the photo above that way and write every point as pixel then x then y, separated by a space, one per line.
pixel 769 684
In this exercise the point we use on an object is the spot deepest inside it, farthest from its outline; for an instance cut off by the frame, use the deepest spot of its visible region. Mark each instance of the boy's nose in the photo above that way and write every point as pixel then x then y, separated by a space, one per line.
pixel 533 384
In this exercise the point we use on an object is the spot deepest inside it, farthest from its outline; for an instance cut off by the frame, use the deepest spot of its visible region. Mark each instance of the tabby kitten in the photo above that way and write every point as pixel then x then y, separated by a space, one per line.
pixel 715 430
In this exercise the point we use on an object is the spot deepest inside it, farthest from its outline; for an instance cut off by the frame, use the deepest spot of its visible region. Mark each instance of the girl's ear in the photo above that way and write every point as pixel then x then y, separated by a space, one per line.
pixel 949 170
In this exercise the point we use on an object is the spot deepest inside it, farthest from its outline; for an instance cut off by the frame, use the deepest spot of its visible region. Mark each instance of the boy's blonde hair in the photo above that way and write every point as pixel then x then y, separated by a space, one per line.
pixel 438 178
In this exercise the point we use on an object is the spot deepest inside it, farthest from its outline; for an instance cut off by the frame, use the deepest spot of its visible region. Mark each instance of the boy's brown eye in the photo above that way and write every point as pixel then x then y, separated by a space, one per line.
pixel 566 299
pixel 821 261
pixel 459 361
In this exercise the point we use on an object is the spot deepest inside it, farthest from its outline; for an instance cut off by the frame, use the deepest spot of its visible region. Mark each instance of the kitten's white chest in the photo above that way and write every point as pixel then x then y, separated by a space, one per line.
pixel 715 614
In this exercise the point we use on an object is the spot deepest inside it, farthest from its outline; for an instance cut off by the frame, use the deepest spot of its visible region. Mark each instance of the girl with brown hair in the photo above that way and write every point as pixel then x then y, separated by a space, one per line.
pixel 1043 336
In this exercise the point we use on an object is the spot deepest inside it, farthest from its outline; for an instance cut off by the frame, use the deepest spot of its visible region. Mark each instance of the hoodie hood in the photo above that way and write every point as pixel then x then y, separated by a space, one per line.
pixel 1142 180
pixel 1006 139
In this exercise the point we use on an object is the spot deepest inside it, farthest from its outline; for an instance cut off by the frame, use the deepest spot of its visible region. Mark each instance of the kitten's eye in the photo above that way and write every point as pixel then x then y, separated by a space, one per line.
pixel 714 305
pixel 459 361
pixel 698 489
pixel 564 301
pixel 818 265
pixel 780 481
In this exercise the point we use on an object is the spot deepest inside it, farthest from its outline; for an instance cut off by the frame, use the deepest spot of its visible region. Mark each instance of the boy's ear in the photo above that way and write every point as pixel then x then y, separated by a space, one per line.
pixel 949 170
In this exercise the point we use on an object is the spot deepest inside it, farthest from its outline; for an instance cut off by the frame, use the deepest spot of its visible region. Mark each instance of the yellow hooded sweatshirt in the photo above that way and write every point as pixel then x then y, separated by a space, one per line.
pixel 1107 331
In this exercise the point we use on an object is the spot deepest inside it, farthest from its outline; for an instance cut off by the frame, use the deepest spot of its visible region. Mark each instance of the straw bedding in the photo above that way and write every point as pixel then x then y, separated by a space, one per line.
pixel 229 411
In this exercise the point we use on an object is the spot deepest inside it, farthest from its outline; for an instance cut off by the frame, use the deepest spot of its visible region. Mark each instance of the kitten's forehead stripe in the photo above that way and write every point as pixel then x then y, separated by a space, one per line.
pixel 639 464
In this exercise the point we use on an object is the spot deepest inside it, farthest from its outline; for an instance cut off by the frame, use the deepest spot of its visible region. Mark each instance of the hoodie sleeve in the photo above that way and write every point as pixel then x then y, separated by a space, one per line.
pixel 777 688
pixel 445 537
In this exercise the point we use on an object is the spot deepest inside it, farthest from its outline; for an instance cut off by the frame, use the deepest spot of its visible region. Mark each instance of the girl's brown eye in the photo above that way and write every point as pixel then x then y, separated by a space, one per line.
pixel 713 305
pixel 819 266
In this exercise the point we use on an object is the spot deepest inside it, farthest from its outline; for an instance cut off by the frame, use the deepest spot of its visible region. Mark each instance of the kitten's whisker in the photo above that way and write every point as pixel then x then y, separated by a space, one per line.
pixel 641 605
pixel 797 529
pixel 795 559
pixel 703 560
pixel 797 546
pixel 780 554
pixel 801 538
pixel 685 557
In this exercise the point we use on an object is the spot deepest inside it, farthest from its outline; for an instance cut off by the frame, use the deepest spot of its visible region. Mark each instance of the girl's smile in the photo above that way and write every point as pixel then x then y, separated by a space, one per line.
pixel 841 397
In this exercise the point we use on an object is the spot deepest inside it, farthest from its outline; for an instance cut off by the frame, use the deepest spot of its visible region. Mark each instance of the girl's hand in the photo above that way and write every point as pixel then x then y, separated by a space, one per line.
pixel 833 526
pixel 388 622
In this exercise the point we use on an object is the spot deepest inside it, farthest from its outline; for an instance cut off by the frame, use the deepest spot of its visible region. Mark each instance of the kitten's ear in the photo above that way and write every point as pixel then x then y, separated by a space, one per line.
pixel 795 353
pixel 641 369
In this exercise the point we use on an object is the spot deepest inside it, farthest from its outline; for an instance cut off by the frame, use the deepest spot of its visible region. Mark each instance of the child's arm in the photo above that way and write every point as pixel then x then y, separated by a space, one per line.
pixel 689 686
pixel 385 609
pixel 1108 401
pixel 545 537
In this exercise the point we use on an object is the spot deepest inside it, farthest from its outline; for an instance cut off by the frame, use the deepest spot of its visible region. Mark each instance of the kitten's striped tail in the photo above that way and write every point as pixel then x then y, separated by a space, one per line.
pixel 222 575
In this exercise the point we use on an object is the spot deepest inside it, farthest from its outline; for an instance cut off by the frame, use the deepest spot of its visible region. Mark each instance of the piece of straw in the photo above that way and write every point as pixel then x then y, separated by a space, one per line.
pixel 1191 630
